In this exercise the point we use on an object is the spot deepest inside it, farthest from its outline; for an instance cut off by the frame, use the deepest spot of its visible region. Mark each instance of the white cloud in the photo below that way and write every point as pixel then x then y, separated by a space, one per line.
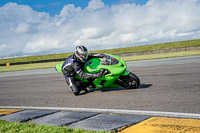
pixel 98 26
pixel 22 28
pixel 2 47
pixel 69 10
pixel 127 37
pixel 95 4
pixel 42 44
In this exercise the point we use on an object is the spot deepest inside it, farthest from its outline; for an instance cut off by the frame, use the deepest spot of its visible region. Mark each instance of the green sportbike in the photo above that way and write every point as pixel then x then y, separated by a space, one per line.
pixel 117 74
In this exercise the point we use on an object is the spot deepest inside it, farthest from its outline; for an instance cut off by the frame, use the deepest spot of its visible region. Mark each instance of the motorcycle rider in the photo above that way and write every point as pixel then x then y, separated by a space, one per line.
pixel 74 64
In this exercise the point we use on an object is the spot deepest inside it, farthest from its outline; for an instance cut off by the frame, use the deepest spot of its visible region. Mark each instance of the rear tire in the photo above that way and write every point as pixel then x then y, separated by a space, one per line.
pixel 80 85
pixel 76 86
pixel 130 81
pixel 75 90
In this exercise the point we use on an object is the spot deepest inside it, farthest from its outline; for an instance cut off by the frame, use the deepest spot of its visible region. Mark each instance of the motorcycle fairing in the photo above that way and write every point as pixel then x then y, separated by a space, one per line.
pixel 115 65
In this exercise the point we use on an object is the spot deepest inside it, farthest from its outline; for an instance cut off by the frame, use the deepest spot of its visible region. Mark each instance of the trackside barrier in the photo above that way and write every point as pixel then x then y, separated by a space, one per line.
pixel 30 62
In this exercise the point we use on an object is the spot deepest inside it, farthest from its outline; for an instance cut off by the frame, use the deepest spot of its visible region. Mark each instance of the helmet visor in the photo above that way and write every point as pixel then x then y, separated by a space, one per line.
pixel 83 57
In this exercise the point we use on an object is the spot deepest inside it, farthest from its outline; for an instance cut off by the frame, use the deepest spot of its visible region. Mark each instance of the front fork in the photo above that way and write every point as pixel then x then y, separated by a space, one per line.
pixel 122 80
pixel 126 72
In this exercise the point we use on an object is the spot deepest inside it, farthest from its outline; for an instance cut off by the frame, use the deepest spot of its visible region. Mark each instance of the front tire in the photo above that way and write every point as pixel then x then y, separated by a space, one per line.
pixel 134 80
pixel 130 81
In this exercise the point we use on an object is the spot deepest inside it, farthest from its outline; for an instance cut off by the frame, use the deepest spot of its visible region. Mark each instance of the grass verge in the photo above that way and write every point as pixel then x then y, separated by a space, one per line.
pixel 17 127
pixel 128 58
pixel 153 47
pixel 162 55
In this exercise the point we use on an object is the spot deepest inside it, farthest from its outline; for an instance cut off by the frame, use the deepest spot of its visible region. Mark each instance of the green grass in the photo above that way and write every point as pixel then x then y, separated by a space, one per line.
pixel 111 51
pixel 153 47
pixel 128 58
pixel 17 127
pixel 162 55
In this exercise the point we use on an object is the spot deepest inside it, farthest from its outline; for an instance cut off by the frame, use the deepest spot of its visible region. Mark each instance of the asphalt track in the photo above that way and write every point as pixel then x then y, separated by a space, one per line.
pixel 167 85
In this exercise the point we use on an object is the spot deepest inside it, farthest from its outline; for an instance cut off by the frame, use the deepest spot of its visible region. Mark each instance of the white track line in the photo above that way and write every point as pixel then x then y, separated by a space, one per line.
pixel 114 111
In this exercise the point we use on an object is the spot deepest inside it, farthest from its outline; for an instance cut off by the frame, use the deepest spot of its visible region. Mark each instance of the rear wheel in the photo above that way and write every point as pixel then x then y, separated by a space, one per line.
pixel 75 90
pixel 80 85
pixel 75 86
pixel 130 81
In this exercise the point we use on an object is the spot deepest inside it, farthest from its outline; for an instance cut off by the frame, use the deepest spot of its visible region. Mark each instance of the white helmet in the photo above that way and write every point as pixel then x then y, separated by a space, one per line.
pixel 81 53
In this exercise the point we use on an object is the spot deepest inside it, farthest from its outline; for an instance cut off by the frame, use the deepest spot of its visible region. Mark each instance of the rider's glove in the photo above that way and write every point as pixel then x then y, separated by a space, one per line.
pixel 100 73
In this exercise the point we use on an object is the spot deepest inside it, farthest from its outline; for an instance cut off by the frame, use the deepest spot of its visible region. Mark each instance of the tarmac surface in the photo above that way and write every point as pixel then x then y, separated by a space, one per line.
pixel 167 85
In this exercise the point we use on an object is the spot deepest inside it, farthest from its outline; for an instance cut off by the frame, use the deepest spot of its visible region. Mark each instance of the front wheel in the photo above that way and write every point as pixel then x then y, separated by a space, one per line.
pixel 130 81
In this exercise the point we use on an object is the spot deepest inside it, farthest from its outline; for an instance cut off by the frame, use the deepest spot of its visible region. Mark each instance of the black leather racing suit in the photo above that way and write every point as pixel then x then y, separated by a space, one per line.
pixel 73 66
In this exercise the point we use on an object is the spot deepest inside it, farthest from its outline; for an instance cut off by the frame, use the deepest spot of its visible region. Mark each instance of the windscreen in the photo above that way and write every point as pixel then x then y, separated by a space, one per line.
pixel 108 60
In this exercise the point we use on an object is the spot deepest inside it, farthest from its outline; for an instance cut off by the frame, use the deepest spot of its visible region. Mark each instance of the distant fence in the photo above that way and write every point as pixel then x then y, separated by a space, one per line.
pixel 118 54
pixel 159 51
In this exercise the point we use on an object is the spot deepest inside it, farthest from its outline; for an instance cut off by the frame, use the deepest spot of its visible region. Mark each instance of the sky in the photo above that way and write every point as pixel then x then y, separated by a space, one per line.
pixel 30 27
pixel 54 7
